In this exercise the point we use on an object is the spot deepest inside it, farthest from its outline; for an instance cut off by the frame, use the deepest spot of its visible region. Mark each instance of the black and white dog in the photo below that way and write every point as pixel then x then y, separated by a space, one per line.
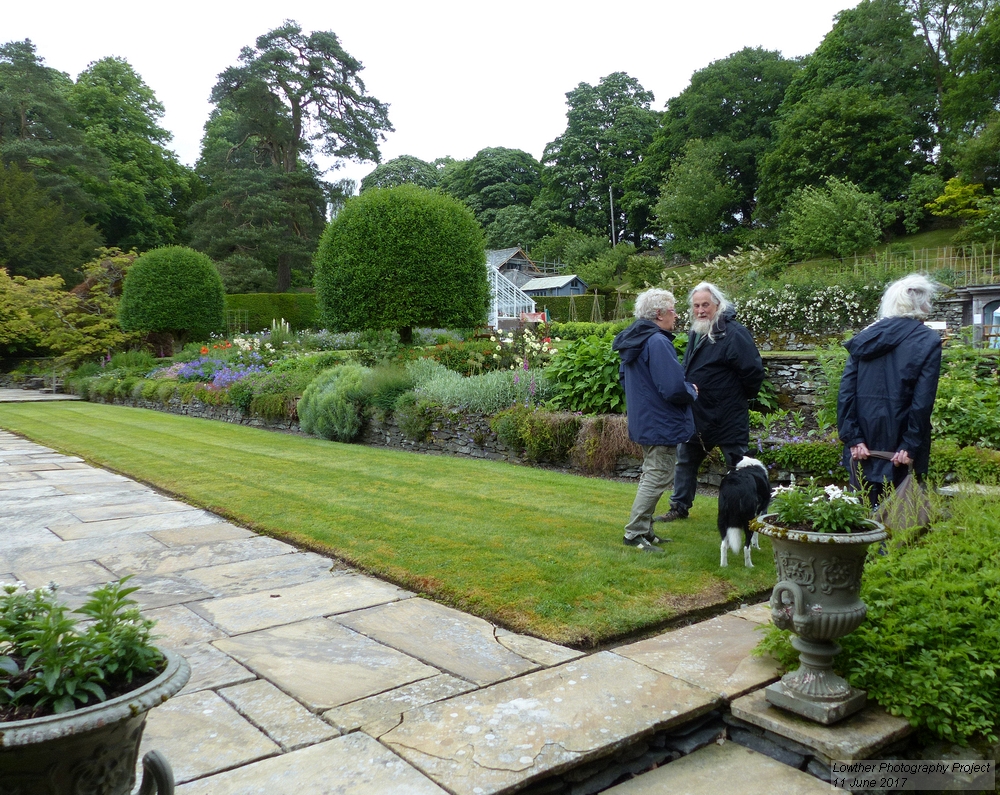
pixel 743 494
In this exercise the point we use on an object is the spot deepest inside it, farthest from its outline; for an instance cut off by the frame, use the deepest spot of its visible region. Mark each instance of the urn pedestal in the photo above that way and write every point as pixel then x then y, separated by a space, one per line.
pixel 818 598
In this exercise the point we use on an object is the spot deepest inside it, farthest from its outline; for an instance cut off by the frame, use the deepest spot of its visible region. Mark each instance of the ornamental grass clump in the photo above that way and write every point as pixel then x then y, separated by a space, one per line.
pixel 49 664
pixel 812 508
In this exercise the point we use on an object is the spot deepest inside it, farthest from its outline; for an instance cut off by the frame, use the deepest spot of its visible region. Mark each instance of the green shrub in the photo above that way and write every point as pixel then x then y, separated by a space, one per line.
pixel 487 393
pixel 544 436
pixel 273 406
pixel 838 219
pixel 376 346
pixel 819 458
pixel 133 360
pixel 402 258
pixel 949 461
pixel 175 290
pixel 466 358
pixel 415 415
pixel 165 390
pixel 383 385
pixel 262 309
pixel 584 377
pixel 326 410
pixel 579 330
pixel 148 388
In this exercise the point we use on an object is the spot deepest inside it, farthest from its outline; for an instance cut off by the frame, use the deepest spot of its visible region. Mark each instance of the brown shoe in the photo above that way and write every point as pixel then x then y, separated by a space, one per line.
pixel 671 516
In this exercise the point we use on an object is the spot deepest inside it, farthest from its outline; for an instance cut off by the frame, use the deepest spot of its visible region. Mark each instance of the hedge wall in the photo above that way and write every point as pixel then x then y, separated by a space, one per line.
pixel 299 309
pixel 558 306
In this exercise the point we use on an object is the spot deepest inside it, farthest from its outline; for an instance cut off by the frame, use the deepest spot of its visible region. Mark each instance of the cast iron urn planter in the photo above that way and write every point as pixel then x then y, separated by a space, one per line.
pixel 91 750
pixel 818 598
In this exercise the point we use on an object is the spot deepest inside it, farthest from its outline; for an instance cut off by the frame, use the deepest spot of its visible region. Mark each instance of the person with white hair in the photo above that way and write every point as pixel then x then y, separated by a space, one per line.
pixel 659 401
pixel 888 389
pixel 722 359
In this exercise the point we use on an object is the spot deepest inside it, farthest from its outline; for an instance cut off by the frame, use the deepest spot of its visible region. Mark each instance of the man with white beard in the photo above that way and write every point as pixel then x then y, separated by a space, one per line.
pixel 723 362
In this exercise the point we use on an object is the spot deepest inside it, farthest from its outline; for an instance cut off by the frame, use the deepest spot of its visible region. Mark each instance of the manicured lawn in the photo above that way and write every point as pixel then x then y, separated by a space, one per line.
pixel 536 551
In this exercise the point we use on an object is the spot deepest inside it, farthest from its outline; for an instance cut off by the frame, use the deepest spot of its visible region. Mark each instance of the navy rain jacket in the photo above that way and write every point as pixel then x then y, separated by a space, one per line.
pixel 656 394
pixel 887 393
pixel 728 373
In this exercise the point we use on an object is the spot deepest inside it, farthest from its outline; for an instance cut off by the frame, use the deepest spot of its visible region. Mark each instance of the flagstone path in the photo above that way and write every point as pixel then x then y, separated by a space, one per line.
pixel 308 677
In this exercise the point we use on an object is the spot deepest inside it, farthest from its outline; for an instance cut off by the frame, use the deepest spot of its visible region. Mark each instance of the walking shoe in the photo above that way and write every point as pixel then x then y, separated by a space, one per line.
pixel 670 516
pixel 653 538
pixel 640 542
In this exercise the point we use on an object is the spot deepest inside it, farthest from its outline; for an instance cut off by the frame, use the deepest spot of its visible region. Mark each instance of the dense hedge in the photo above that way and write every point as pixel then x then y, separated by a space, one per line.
pixel 299 309
pixel 172 289
pixel 400 258
pixel 558 307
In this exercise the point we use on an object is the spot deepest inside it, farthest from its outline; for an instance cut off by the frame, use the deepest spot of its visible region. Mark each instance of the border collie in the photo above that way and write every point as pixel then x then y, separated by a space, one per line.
pixel 743 494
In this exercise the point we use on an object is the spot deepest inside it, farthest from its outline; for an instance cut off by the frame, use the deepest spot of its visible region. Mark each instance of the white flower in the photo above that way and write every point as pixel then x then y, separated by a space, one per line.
pixel 833 492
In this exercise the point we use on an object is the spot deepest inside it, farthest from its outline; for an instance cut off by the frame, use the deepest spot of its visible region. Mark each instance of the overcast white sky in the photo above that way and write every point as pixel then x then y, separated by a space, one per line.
pixel 458 76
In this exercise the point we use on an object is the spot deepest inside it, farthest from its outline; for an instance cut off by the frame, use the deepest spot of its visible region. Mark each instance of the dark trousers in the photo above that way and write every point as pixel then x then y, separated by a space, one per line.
pixel 689 458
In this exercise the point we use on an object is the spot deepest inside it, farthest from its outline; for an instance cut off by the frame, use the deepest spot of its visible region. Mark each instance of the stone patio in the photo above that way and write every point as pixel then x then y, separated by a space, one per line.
pixel 309 677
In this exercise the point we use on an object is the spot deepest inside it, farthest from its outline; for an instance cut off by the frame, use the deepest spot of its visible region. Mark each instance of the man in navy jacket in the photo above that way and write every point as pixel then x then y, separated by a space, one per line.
pixel 659 406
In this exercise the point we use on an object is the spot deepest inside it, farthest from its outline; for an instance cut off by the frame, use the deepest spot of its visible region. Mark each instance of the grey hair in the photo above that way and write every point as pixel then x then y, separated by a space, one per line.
pixel 650 302
pixel 717 297
pixel 911 296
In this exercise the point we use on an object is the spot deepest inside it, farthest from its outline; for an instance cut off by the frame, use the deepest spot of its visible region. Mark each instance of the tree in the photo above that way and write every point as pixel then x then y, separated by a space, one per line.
pixel 609 126
pixel 698 204
pixel 731 106
pixel 402 170
pixel 173 290
pixel 147 190
pixel 291 82
pixel 38 127
pixel 854 134
pixel 38 235
pixel 260 223
pixel 291 95
pixel 838 218
pixel 399 258
pixel 495 178
pixel 513 226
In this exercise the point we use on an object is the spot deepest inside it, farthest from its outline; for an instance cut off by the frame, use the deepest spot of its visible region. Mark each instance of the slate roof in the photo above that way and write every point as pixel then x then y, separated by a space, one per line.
pixel 551 282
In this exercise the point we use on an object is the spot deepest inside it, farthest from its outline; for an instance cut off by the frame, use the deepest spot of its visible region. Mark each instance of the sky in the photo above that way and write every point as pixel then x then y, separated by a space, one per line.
pixel 457 76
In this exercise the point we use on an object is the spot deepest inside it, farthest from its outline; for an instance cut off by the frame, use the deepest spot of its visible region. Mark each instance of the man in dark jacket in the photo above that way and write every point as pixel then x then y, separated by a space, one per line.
pixel 888 388
pixel 722 360
pixel 659 406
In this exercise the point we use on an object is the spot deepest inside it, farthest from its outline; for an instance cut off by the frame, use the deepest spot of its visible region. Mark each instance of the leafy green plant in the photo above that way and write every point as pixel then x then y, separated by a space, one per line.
pixel 807 506
pixel 48 664
pixel 487 393
pixel 416 415
pixel 326 408
pixel 584 377
pixel 544 436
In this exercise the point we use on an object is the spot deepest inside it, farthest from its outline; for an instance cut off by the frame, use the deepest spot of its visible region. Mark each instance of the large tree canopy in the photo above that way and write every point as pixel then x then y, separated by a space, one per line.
pixel 402 170
pixel 147 190
pixel 292 95
pixel 731 104
pixel 291 83
pixel 399 258
pixel 609 126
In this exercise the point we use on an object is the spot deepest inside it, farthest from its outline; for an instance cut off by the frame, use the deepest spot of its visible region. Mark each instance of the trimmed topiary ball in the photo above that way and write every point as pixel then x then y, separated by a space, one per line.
pixel 399 258
pixel 175 290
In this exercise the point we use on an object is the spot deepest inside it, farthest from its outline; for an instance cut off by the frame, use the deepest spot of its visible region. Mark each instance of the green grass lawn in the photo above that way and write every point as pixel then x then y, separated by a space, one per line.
pixel 533 550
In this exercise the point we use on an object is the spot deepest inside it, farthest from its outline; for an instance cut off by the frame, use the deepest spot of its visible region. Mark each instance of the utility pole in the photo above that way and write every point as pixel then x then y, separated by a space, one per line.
pixel 614 237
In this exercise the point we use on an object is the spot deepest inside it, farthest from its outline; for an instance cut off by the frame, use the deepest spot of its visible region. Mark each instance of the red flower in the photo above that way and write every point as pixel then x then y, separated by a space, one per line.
pixel 204 349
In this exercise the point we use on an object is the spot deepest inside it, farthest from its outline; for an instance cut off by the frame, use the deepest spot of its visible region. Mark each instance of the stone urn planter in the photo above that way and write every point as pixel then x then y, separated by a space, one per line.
pixel 818 598
pixel 91 750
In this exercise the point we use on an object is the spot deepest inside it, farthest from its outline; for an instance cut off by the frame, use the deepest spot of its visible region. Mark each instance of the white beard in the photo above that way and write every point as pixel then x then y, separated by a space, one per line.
pixel 703 328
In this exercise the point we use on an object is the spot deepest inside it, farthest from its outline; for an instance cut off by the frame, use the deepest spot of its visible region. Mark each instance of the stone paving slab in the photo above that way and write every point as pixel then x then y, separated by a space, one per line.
pixel 138 509
pixel 726 768
pixel 201 534
pixel 201 734
pixel 279 716
pixel 250 576
pixel 860 736
pixel 39 555
pixel 351 765
pixel 323 664
pixel 498 739
pixel 540 651
pixel 758 613
pixel 378 714
pixel 713 654
pixel 86 574
pixel 75 529
pixel 441 636
pixel 170 559
pixel 212 669
pixel 177 626
pixel 335 593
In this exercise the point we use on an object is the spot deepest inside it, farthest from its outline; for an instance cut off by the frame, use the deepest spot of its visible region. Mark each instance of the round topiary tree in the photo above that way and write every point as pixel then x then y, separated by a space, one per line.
pixel 398 258
pixel 173 290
